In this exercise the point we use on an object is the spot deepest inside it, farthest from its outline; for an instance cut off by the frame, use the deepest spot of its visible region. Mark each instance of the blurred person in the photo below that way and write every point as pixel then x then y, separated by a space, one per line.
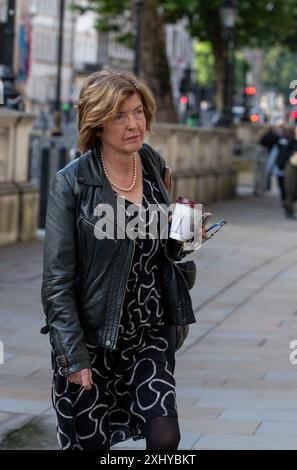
pixel 289 162
pixel 269 140
pixel 275 164
pixel 111 331
pixel 271 136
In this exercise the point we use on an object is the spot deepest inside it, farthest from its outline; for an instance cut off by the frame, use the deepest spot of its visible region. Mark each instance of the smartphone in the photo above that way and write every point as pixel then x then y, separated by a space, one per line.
pixel 214 228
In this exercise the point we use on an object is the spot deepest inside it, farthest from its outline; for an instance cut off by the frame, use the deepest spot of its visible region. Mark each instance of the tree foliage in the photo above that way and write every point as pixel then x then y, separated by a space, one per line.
pixel 260 24
pixel 280 68
pixel 204 64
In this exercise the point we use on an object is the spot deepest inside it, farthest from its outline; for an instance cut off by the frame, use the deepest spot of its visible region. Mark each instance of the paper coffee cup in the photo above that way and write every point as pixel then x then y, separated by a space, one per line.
pixel 186 220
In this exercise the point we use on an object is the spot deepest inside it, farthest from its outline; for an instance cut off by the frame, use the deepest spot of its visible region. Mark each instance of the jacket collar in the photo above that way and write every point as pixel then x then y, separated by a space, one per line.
pixel 90 170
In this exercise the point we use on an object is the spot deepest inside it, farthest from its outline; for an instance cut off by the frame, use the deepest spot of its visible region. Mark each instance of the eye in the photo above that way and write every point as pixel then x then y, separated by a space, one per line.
pixel 139 113
pixel 119 117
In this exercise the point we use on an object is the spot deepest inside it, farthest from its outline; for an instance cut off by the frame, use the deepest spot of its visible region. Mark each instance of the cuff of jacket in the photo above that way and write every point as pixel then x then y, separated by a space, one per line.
pixel 74 363
pixel 176 251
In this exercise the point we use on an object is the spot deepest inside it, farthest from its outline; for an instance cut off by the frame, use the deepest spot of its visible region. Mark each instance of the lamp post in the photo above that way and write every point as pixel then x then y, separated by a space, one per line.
pixel 228 13
pixel 138 4
pixel 11 96
pixel 57 129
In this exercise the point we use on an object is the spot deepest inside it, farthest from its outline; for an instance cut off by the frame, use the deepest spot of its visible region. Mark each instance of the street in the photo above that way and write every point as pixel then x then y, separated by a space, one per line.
pixel 236 388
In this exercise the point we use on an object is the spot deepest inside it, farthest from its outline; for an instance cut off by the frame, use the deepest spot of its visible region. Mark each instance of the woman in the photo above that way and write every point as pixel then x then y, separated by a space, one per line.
pixel 110 301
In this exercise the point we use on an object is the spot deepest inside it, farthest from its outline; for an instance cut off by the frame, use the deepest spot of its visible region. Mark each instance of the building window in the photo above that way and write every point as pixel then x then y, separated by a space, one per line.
pixel 44 46
pixel 46 7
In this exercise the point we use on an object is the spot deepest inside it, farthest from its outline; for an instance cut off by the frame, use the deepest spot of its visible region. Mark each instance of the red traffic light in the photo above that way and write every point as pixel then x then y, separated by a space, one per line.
pixel 183 100
pixel 250 90
pixel 294 114
pixel 255 117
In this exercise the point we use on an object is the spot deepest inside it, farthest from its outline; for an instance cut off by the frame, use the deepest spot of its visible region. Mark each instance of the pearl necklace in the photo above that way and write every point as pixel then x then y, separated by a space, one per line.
pixel 114 184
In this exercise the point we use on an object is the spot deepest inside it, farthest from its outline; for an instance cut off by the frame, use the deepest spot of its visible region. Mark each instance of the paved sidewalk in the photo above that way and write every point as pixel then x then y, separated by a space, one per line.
pixel 236 388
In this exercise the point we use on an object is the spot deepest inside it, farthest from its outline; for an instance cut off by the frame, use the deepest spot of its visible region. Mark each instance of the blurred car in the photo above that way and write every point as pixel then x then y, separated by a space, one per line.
pixel 241 114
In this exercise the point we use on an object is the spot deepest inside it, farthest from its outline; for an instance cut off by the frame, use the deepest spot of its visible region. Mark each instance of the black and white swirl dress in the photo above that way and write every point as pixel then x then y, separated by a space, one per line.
pixel 132 383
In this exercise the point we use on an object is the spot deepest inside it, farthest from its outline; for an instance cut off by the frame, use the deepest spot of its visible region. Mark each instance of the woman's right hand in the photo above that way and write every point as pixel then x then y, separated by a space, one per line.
pixel 82 377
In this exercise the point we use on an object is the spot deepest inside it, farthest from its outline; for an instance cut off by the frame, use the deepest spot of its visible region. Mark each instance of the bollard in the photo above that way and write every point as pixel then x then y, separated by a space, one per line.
pixel 44 185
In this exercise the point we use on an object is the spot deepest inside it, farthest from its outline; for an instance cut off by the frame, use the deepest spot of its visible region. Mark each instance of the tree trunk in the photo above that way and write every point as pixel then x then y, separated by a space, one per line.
pixel 220 71
pixel 215 36
pixel 154 67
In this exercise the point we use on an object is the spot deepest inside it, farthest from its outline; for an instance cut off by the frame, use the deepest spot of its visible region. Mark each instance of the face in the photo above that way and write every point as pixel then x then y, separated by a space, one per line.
pixel 125 133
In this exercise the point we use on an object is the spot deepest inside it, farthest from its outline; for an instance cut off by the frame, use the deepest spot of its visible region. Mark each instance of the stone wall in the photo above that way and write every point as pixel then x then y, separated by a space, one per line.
pixel 248 133
pixel 201 160
pixel 19 200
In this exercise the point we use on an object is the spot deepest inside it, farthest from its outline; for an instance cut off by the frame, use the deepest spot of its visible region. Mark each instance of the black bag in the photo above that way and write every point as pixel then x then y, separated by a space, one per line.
pixel 188 269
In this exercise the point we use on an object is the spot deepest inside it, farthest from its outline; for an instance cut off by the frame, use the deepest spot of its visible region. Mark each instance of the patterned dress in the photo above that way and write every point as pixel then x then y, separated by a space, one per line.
pixel 132 383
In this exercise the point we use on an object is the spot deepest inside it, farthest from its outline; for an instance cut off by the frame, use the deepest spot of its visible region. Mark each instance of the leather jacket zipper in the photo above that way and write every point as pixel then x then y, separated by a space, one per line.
pixel 121 309
pixel 86 221
pixel 112 220
pixel 127 278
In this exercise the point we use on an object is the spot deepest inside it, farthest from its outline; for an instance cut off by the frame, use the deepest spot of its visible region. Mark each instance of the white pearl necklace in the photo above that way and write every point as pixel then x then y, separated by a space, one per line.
pixel 114 184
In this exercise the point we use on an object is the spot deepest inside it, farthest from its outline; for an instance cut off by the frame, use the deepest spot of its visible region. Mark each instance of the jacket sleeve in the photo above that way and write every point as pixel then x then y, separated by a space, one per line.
pixel 59 275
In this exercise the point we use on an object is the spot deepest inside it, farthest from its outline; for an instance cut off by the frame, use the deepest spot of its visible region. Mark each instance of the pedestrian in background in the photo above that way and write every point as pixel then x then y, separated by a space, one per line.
pixel 112 304
pixel 289 161
pixel 269 140
pixel 276 161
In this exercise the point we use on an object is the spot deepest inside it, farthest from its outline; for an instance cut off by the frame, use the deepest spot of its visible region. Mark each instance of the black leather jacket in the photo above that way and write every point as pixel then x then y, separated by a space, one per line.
pixel 84 278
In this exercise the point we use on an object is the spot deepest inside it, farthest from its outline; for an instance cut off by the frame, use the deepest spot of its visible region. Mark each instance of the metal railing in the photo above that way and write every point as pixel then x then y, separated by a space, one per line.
pixel 47 155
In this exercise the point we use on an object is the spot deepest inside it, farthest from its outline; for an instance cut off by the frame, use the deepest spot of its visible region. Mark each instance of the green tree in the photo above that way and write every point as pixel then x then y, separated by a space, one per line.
pixel 260 23
pixel 204 64
pixel 119 17
pixel 280 68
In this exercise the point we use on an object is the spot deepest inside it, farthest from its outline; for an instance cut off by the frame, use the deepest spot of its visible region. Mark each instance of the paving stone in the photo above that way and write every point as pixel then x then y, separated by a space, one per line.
pixel 248 414
pixel 32 407
pixel 234 442
pixel 4 416
pixel 217 427
pixel 278 428
pixel 13 422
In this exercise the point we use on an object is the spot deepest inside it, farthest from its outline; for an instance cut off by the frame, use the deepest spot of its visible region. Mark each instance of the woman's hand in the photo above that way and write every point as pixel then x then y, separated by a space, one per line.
pixel 204 234
pixel 82 377
pixel 202 231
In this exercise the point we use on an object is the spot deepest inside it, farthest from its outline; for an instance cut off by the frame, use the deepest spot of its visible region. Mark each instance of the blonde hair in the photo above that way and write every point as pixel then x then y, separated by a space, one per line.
pixel 101 96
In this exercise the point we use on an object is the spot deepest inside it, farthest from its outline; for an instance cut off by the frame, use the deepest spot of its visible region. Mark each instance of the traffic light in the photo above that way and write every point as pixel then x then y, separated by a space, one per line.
pixel 250 90
pixel 183 99
pixel 255 117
